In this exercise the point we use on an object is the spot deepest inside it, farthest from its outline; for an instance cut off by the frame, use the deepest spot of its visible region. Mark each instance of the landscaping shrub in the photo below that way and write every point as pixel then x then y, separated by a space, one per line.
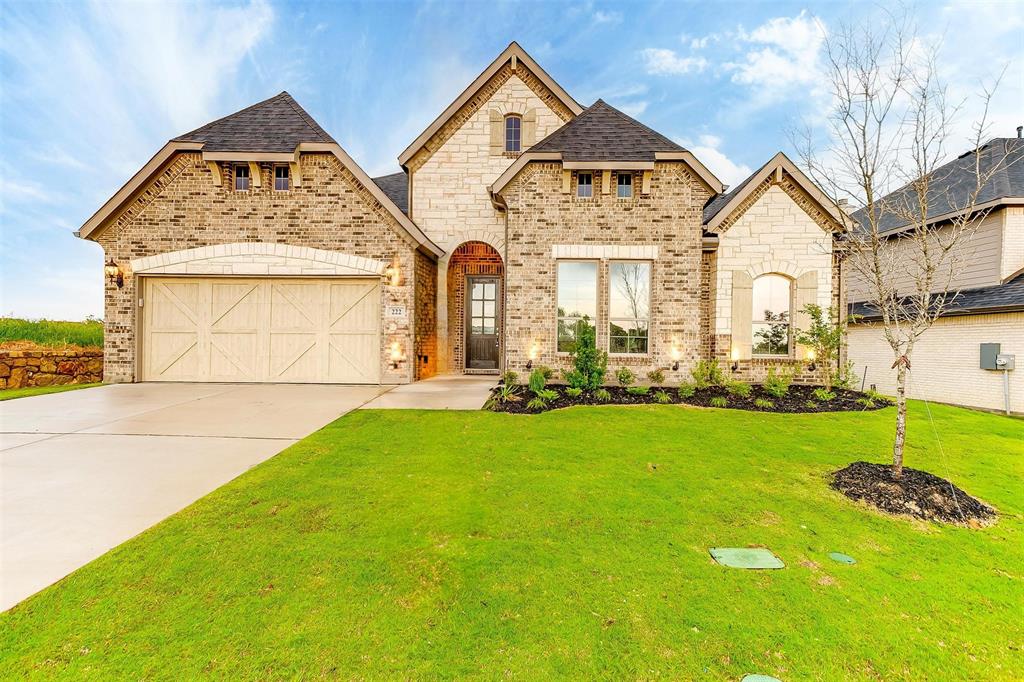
pixel 538 380
pixel 52 332
pixel 509 378
pixel 825 337
pixel 547 394
pixel 546 371
pixel 589 363
pixel 662 397
pixel 656 377
pixel 866 402
pixel 764 403
pixel 507 393
pixel 739 389
pixel 777 383
pixel 537 404
pixel 845 377
pixel 823 395
pixel 625 376
pixel 602 395
pixel 687 390
pixel 574 392
pixel 638 390
pixel 719 401
pixel 707 373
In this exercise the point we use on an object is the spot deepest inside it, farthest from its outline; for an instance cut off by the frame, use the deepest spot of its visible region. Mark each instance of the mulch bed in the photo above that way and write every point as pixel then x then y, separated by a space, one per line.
pixel 799 399
pixel 916 493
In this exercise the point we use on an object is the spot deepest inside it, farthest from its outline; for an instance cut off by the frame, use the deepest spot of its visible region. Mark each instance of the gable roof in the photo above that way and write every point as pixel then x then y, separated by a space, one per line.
pixel 603 133
pixel 510 53
pixel 396 186
pixel 277 124
pixel 953 183
pixel 999 298
pixel 721 207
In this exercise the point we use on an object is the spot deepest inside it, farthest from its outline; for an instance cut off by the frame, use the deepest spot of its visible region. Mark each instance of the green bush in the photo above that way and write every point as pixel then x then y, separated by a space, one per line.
pixel 537 404
pixel 764 403
pixel 662 397
pixel 625 376
pixel 777 383
pixel 547 394
pixel 687 390
pixel 52 332
pixel 719 401
pixel 509 378
pixel 574 392
pixel 602 395
pixel 638 390
pixel 811 405
pixel 656 377
pixel 589 363
pixel 507 393
pixel 546 371
pixel 823 395
pixel 844 377
pixel 866 402
pixel 537 380
pixel 739 389
pixel 707 373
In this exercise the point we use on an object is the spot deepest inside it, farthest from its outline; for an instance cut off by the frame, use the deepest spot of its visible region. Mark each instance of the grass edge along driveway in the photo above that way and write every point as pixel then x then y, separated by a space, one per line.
pixel 573 543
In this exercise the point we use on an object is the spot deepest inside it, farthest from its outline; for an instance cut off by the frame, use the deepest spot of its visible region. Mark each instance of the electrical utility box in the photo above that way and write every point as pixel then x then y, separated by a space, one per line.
pixel 1005 361
pixel 989 353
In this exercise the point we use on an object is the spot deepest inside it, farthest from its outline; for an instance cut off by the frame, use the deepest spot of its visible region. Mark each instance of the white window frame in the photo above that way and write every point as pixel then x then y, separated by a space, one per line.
pixel 288 178
pixel 618 186
pixel 650 296
pixel 579 185
pixel 519 141
pixel 756 318
pixel 235 177
pixel 597 296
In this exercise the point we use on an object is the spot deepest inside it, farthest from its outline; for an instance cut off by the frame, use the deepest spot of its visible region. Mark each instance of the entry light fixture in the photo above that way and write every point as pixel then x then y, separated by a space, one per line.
pixel 735 359
pixel 396 354
pixel 113 272
pixel 811 364
pixel 394 274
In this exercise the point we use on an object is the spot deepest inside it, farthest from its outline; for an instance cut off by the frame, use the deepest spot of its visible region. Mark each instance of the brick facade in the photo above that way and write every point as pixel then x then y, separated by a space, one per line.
pixel 426 316
pixel 182 208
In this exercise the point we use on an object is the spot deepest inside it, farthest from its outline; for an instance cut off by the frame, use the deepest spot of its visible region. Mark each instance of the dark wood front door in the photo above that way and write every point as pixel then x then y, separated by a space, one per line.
pixel 483 315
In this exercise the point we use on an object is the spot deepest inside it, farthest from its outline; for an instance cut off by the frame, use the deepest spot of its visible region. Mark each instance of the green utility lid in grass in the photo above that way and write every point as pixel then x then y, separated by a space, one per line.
pixel 759 678
pixel 746 557
pixel 841 558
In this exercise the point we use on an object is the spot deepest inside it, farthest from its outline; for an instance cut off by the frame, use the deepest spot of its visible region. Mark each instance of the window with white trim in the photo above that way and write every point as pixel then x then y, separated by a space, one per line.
pixel 577 301
pixel 629 307
pixel 241 178
pixel 772 323
pixel 513 133
pixel 585 185
pixel 281 179
pixel 624 183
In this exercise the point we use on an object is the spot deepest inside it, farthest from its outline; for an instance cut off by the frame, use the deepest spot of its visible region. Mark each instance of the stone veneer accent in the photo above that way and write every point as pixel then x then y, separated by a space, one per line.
pixel 50 367
pixel 182 209
pixel 472 258
pixel 668 219
pixel 257 258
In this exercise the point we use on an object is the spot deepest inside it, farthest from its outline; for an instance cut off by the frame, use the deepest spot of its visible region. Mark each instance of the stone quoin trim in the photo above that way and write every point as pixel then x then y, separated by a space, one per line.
pixel 257 258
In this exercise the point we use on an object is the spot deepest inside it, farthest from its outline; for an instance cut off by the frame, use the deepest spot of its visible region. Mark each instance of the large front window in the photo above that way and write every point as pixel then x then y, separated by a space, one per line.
pixel 629 311
pixel 577 301
pixel 771 307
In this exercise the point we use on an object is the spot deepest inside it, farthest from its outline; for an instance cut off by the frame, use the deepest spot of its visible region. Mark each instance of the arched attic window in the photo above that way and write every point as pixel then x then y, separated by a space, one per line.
pixel 772 315
pixel 513 133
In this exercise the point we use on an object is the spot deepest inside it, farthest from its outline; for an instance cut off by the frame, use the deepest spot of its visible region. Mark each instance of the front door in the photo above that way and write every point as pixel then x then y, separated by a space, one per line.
pixel 482 317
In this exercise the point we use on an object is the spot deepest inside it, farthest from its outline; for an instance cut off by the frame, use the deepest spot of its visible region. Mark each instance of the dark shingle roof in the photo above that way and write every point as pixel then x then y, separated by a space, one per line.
pixel 603 133
pixel 1005 297
pixel 396 186
pixel 717 203
pixel 956 180
pixel 278 124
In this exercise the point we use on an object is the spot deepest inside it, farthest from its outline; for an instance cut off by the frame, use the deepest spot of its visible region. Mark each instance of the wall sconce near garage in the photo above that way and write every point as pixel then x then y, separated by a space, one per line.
pixel 113 272
pixel 394 274
pixel 397 355
pixel 735 359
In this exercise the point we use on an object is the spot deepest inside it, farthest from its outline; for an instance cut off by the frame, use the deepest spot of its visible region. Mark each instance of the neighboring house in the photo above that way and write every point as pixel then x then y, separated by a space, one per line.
pixel 255 249
pixel 989 305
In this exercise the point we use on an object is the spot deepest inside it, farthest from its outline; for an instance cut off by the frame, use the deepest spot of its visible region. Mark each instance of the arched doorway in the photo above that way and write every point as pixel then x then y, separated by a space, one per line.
pixel 475 288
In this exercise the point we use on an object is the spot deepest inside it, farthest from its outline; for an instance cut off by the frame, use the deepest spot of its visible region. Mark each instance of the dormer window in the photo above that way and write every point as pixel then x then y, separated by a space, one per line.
pixel 241 178
pixel 513 133
pixel 625 185
pixel 585 185
pixel 281 179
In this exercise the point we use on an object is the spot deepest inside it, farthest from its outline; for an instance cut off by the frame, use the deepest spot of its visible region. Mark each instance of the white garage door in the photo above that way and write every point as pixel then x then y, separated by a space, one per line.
pixel 267 329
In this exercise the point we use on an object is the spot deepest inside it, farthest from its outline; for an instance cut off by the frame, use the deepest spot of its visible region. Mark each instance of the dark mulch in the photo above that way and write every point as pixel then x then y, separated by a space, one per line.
pixel 799 399
pixel 915 493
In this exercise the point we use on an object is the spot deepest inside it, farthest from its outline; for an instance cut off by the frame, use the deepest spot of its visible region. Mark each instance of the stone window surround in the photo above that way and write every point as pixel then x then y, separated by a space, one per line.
pixel 258 258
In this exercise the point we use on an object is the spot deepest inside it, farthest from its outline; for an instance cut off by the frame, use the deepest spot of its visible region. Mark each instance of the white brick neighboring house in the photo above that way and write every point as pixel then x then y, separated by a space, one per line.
pixel 989 307
pixel 255 249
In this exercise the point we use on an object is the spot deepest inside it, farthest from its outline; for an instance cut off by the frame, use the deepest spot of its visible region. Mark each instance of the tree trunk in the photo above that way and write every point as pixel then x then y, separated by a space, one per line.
pixel 901 419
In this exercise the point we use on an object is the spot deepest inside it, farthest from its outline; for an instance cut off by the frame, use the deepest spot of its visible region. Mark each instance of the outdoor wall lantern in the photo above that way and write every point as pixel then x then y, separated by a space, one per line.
pixel 811 364
pixel 113 272
pixel 396 354
pixel 676 354
pixel 532 355
pixel 735 359
pixel 394 275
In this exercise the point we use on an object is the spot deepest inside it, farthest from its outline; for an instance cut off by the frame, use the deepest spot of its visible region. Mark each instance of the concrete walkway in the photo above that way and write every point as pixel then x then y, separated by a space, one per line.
pixel 445 392
pixel 83 471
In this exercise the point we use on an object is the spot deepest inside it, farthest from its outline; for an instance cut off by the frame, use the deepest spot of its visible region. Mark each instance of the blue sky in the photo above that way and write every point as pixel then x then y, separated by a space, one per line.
pixel 90 91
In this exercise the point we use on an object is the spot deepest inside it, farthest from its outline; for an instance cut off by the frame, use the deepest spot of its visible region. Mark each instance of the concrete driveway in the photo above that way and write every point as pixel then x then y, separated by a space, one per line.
pixel 83 471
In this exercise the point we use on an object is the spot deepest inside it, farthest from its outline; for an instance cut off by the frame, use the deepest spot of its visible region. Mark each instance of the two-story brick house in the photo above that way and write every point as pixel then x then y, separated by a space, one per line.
pixel 255 249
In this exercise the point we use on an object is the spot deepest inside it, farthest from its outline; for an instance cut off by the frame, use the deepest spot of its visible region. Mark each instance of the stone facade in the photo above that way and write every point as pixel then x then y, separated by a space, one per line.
pixel 52 367
pixel 668 219
pixel 183 209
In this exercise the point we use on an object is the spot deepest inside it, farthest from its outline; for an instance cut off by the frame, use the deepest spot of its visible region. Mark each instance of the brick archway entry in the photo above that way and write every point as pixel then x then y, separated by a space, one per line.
pixel 475 332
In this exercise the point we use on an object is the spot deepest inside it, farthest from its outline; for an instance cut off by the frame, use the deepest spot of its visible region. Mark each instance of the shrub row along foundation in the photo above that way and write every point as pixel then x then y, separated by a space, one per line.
pixel 24 368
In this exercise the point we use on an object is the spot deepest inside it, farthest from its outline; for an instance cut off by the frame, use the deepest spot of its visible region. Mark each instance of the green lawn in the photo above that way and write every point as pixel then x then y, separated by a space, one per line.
pixel 573 543
pixel 12 393
pixel 52 332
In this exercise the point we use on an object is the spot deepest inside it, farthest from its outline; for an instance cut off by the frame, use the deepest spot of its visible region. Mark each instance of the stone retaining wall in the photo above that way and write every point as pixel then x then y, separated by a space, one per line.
pixel 23 368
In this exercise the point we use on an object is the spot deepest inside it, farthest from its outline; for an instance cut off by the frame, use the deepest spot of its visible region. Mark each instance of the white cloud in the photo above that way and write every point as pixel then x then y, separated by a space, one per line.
pixel 602 17
pixel 661 61
pixel 784 54
pixel 706 149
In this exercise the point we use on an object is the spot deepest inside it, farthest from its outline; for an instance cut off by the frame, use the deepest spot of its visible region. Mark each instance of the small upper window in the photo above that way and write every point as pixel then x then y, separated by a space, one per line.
pixel 585 185
pixel 281 178
pixel 513 133
pixel 241 178
pixel 625 185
